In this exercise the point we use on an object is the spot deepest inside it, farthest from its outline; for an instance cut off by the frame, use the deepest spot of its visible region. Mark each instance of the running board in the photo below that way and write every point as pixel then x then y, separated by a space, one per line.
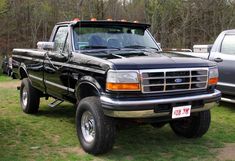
pixel 55 103
pixel 227 100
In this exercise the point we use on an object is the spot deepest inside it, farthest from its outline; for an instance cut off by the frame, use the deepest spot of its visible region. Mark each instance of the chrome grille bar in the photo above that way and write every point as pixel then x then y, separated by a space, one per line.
pixel 172 80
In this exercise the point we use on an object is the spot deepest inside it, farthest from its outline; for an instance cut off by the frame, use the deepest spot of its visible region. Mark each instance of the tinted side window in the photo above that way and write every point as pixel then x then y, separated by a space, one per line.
pixel 228 45
pixel 61 38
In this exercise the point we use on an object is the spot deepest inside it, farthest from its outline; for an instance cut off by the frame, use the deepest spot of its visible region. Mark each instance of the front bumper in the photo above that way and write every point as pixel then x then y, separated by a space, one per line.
pixel 146 108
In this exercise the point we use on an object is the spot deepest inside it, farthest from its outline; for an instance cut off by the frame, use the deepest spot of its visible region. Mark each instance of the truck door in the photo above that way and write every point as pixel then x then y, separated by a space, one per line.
pixel 227 65
pixel 55 65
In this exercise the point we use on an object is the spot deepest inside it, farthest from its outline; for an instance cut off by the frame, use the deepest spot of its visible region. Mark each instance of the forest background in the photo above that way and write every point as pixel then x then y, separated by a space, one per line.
pixel 175 23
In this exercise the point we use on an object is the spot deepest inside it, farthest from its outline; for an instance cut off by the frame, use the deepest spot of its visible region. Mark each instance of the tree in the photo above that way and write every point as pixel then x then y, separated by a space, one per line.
pixel 175 23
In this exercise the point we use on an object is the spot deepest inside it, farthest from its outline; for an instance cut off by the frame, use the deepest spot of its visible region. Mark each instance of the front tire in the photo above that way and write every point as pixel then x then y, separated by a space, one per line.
pixel 29 97
pixel 193 126
pixel 96 132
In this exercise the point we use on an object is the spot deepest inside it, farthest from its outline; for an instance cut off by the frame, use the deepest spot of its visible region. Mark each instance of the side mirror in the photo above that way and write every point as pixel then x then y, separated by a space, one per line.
pixel 44 45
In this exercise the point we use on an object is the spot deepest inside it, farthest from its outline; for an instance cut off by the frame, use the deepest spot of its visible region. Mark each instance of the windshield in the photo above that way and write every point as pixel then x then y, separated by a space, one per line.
pixel 114 37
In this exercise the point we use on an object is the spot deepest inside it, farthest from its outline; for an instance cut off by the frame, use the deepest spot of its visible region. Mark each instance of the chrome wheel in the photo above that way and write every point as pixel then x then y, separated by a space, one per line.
pixel 24 98
pixel 88 126
pixel 29 97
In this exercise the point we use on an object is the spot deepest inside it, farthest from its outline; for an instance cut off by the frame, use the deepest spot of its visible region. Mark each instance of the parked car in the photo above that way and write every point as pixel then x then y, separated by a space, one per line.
pixel 115 73
pixel 223 53
pixel 7 66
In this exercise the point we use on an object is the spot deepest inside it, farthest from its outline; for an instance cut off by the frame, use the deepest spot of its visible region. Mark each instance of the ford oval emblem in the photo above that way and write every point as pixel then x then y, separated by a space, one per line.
pixel 178 80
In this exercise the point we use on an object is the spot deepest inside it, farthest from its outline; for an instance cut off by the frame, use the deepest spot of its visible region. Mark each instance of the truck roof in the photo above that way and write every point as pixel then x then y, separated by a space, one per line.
pixel 232 31
pixel 106 22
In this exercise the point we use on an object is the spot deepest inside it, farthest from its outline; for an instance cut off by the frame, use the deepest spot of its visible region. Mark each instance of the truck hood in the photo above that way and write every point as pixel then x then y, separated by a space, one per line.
pixel 158 61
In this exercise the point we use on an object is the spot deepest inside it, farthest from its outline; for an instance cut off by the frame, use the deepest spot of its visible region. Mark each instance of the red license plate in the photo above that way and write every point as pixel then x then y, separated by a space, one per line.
pixel 181 111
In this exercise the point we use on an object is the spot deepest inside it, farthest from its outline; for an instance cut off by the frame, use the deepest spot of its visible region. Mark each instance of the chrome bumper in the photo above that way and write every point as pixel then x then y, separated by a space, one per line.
pixel 149 113
pixel 130 113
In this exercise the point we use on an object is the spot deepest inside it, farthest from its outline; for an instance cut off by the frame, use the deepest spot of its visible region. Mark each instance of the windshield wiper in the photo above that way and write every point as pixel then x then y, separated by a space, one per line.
pixel 140 47
pixel 95 47
pixel 101 47
pixel 106 52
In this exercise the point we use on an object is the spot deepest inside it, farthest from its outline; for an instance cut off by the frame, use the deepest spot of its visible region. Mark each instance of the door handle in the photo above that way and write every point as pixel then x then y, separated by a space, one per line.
pixel 218 60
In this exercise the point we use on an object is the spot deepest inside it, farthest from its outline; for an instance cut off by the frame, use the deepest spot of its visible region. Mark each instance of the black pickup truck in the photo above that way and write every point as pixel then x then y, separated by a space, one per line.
pixel 115 72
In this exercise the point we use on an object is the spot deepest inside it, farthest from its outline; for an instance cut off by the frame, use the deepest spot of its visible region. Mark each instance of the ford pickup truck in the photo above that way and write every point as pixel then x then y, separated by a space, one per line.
pixel 223 53
pixel 115 72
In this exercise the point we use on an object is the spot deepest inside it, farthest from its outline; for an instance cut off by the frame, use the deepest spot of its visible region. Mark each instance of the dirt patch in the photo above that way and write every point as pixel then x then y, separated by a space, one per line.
pixel 55 139
pixel 129 157
pixel 167 155
pixel 10 84
pixel 227 152
pixel 77 150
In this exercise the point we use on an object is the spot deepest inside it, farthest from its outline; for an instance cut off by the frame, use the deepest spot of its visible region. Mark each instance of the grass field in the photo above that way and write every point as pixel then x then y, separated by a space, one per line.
pixel 3 78
pixel 50 135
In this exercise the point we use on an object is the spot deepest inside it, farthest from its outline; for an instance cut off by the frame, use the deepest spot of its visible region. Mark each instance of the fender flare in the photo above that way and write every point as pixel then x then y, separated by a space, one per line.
pixel 22 67
pixel 89 80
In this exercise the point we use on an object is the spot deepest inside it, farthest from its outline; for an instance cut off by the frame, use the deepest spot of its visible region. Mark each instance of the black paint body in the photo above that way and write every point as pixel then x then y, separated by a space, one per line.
pixel 62 75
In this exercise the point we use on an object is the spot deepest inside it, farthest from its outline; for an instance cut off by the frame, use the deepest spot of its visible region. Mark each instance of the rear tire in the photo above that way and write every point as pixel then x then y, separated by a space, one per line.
pixel 193 126
pixel 29 97
pixel 96 132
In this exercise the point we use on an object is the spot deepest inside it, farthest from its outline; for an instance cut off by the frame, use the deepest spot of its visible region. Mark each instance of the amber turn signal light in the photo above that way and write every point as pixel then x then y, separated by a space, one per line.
pixel 213 81
pixel 76 19
pixel 93 19
pixel 123 86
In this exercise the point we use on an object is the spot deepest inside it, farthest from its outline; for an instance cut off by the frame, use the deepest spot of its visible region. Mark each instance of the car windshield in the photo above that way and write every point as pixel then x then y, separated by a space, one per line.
pixel 112 37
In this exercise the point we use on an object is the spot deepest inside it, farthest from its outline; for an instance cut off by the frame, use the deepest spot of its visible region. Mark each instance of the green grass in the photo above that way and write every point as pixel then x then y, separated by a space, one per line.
pixel 50 135
pixel 4 77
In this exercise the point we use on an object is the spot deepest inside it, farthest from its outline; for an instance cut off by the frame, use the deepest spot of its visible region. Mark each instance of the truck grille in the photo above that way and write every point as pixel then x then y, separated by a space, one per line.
pixel 171 80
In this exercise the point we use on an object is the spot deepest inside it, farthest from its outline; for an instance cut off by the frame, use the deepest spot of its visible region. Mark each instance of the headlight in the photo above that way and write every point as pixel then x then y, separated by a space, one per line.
pixel 213 76
pixel 123 81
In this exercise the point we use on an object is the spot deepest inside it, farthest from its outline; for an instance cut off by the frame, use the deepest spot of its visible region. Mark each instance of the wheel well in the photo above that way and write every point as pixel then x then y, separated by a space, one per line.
pixel 23 73
pixel 87 90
